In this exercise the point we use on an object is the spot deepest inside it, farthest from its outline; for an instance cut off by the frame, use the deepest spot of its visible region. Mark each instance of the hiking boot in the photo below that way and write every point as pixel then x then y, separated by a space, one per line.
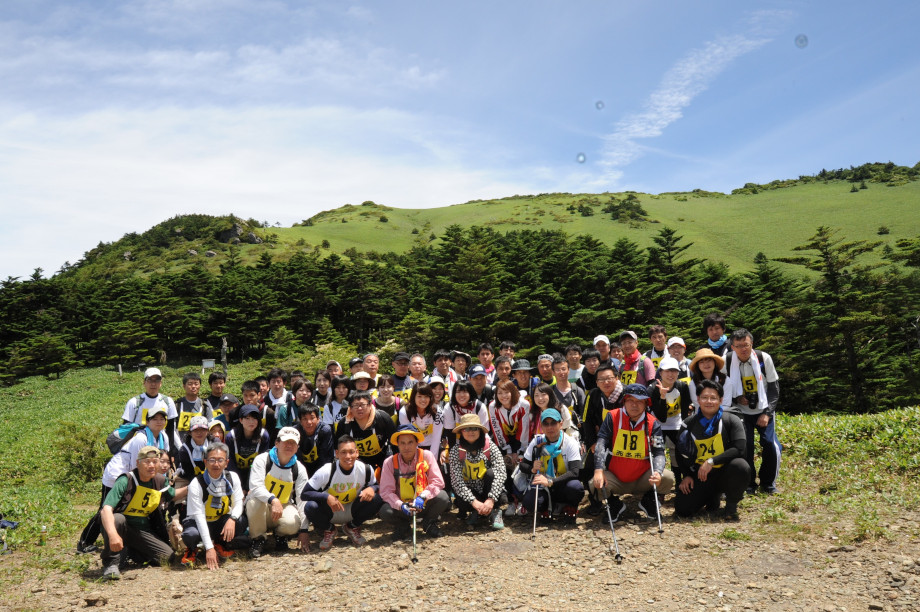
pixel 616 507
pixel 257 547
pixel 648 505
pixel 401 533
pixel 431 529
pixel 85 549
pixel 512 509
pixel 751 490
pixel 730 512
pixel 496 519
pixel 595 507
pixel 328 537
pixel 771 490
pixel 557 509
pixel 569 513
pixel 190 558
pixel 281 543
pixel 112 572
pixel 354 534
pixel 223 552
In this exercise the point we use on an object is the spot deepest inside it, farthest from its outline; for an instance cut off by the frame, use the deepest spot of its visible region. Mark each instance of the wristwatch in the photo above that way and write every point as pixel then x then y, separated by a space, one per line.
pixel 710 461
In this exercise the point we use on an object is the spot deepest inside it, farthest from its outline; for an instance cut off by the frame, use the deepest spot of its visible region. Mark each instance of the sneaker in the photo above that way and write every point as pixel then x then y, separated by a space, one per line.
pixel 472 519
pixel 648 505
pixel 462 515
pixel 520 510
pixel 569 512
pixel 401 534
pixel 769 490
pixel 512 509
pixel 432 530
pixel 85 549
pixel 497 521
pixel 257 547
pixel 112 572
pixel 328 537
pixel 223 552
pixel 354 534
pixel 751 490
pixel 616 507
pixel 190 558
pixel 557 509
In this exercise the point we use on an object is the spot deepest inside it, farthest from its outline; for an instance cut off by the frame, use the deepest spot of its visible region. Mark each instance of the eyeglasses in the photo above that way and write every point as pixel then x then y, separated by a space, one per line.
pixel 606 380
pixel 216 460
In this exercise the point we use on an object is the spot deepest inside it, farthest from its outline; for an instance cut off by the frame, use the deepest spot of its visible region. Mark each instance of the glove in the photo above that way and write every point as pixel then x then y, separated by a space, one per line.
pixel 405 509
pixel 419 503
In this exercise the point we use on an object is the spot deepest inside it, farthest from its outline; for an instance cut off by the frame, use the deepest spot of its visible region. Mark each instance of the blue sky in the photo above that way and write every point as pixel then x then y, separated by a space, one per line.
pixel 117 115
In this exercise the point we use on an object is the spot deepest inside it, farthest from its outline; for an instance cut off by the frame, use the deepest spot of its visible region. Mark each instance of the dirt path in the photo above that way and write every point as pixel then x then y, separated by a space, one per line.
pixel 695 565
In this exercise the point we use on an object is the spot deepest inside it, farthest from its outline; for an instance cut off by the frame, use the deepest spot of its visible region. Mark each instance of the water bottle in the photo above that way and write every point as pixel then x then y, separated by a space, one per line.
pixel 43 534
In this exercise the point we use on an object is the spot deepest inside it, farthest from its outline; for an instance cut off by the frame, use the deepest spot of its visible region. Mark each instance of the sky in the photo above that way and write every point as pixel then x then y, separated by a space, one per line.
pixel 117 115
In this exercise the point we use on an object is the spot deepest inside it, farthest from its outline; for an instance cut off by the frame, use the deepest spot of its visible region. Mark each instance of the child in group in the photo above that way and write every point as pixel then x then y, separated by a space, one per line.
pixel 677 349
pixel 588 380
pixel 321 384
pixel 573 358
pixel 217 430
pixel 216 381
pixel 301 395
pixel 191 405
pixel 658 337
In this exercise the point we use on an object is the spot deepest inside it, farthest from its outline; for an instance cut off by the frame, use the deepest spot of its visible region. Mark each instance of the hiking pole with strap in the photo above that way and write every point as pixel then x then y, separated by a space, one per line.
pixel 617 556
pixel 536 503
pixel 651 463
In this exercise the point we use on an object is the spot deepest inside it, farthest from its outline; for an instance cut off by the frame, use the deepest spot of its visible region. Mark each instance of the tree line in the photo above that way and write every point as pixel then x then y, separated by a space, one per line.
pixel 844 335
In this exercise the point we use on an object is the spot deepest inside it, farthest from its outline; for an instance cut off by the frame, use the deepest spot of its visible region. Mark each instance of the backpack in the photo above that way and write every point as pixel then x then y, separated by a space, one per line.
pixel 121 436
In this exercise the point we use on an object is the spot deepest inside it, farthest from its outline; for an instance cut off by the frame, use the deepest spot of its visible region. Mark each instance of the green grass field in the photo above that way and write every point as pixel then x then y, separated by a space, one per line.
pixel 842 475
pixel 727 228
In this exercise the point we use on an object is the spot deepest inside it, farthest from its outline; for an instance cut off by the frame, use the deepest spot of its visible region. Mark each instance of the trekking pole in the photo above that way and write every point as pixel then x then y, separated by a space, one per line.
pixel 536 503
pixel 651 463
pixel 414 546
pixel 617 556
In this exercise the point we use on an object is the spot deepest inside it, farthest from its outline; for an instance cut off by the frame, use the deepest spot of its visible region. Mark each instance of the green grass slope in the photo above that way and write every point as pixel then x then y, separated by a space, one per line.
pixel 731 228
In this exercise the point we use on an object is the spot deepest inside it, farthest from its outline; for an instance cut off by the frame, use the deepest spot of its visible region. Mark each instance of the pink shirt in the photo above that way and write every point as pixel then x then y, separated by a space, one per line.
pixel 388 490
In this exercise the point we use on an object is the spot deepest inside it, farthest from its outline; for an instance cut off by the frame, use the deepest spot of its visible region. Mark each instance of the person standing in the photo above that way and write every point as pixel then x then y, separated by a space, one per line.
pixel 752 391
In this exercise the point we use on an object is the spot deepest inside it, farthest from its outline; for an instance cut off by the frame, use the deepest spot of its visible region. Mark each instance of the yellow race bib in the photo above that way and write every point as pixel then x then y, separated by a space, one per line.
pixel 628 377
pixel 657 360
pixel 407 488
pixel 674 407
pixel 710 447
pixel 185 420
pixel 144 501
pixel 369 446
pixel 211 513
pixel 749 383
pixel 630 444
pixel 344 492
pixel 474 471
pixel 279 488
pixel 312 456
pixel 244 463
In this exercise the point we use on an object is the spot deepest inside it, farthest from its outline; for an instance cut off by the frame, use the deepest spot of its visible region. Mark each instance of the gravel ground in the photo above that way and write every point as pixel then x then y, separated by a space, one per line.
pixel 693 565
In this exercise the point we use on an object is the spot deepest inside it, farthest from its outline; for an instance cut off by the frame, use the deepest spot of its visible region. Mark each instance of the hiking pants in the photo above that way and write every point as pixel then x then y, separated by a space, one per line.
pixel 731 479
pixel 772 451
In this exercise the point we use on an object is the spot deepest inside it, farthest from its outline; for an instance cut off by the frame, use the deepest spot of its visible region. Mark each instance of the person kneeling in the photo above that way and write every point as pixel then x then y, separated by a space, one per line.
pixel 477 473
pixel 342 493
pixel 411 482
pixel 277 480
pixel 215 510
pixel 711 450
pixel 129 512
pixel 553 460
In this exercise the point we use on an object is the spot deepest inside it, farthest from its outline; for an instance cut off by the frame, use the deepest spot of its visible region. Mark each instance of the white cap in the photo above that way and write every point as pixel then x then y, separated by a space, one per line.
pixel 288 433
pixel 152 372
pixel 601 338
pixel 677 340
pixel 668 363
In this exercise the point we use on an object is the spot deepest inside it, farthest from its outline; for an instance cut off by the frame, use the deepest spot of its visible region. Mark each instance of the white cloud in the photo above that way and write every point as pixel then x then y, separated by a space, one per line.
pixel 680 85
pixel 71 182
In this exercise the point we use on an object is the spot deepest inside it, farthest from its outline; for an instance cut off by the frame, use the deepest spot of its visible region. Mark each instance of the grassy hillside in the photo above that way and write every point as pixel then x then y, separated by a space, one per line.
pixel 841 475
pixel 727 227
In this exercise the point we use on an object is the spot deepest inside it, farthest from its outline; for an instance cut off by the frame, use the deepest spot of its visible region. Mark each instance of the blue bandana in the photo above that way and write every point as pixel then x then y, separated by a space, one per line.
pixel 718 344
pixel 709 425
pixel 273 455
pixel 553 450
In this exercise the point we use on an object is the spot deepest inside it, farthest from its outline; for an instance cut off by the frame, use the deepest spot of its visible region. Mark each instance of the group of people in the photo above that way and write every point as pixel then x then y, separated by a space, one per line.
pixel 495 439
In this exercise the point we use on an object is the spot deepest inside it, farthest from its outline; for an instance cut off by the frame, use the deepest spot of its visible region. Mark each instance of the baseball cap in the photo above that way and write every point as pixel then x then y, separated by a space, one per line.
pixel 288 433
pixel 401 357
pixel 677 340
pixel 229 397
pixel 601 338
pixel 198 422
pixel 152 372
pixel 477 370
pixel 668 363
pixel 637 391
pixel 629 334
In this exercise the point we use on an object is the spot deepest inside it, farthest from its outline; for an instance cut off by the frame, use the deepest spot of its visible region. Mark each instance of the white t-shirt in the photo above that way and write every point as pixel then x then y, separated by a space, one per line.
pixel 344 487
